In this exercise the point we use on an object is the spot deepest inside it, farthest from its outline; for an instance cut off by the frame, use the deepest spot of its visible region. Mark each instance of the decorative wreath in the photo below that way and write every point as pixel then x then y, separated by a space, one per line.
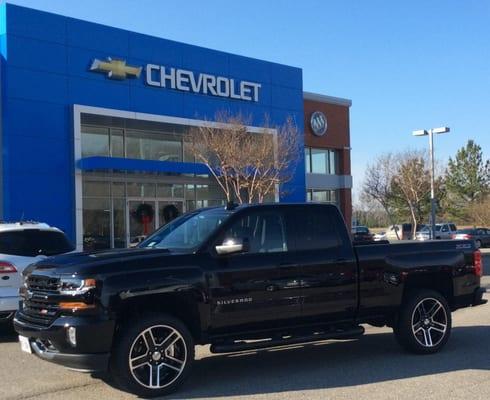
pixel 169 213
pixel 143 212
pixel 144 215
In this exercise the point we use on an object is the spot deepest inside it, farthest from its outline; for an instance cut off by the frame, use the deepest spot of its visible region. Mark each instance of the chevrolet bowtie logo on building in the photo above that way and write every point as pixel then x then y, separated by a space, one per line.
pixel 115 69
pixel 165 77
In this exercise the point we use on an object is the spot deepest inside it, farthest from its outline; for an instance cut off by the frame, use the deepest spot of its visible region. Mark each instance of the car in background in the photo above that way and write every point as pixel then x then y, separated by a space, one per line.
pixel 401 231
pixel 444 230
pixel 21 244
pixel 361 234
pixel 380 236
pixel 481 236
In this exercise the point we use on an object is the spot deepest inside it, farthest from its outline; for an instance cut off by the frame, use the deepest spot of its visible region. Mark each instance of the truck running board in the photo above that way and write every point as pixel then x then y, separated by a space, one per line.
pixel 230 347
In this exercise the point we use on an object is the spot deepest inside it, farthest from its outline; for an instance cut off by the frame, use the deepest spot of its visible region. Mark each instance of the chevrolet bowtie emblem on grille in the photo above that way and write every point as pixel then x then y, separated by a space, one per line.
pixel 115 69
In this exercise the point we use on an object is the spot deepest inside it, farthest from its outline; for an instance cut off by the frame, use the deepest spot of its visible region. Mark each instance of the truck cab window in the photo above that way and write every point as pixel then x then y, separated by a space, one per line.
pixel 264 232
pixel 316 230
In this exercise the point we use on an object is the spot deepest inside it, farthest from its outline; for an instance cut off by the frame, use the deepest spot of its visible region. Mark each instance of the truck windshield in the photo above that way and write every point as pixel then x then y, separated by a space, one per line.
pixel 188 232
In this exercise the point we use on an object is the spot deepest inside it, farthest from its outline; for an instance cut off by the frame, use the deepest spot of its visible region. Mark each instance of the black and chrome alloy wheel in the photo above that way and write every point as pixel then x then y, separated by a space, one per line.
pixel 157 356
pixel 423 324
pixel 153 355
pixel 429 322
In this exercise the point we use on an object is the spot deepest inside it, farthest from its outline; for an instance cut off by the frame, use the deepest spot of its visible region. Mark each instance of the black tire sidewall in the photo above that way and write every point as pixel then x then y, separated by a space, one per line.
pixel 119 366
pixel 403 328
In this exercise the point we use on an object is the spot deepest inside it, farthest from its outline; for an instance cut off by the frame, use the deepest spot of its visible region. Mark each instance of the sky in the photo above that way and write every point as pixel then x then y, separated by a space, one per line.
pixel 405 65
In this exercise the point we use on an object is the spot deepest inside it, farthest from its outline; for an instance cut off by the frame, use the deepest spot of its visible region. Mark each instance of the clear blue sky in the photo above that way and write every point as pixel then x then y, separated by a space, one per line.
pixel 405 65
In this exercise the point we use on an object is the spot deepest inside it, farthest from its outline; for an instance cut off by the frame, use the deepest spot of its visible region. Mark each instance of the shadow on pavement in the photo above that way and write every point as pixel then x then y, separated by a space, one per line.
pixel 373 358
pixel 7 333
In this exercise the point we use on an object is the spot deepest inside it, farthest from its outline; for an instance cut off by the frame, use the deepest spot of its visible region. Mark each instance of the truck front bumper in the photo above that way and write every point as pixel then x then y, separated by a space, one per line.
pixel 93 341
pixel 79 362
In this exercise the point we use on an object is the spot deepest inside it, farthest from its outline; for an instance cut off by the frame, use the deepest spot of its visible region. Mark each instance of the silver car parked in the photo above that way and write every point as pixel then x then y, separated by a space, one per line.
pixel 444 230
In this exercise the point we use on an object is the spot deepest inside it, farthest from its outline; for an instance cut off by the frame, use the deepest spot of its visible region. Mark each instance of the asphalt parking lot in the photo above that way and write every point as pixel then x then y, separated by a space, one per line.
pixel 373 367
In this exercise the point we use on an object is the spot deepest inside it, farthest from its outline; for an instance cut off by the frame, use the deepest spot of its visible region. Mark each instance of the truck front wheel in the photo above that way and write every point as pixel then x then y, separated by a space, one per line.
pixel 152 356
pixel 424 322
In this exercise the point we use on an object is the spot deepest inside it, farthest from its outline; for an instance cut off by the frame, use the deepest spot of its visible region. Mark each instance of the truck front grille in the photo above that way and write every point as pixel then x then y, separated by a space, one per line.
pixel 37 308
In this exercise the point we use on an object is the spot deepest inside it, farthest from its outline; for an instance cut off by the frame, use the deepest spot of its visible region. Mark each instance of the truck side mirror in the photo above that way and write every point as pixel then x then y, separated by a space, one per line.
pixel 232 246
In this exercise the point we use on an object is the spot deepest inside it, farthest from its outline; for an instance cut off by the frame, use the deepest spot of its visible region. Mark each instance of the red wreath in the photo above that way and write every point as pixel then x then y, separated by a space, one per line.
pixel 144 215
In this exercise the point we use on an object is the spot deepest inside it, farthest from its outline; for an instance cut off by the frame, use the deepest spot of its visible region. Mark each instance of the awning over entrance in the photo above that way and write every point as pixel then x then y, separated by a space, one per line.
pixel 127 164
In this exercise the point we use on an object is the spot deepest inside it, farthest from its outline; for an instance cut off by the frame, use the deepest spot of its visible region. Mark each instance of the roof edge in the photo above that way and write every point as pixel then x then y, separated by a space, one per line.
pixel 327 99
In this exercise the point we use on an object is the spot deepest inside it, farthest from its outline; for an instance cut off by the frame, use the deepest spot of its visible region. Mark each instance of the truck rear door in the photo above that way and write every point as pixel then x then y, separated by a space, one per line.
pixel 323 251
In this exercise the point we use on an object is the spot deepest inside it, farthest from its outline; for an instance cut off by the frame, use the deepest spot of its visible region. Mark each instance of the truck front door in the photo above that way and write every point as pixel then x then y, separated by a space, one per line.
pixel 251 288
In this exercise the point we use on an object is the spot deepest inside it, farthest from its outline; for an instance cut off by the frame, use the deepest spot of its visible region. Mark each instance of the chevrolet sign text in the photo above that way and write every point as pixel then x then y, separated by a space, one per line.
pixel 187 81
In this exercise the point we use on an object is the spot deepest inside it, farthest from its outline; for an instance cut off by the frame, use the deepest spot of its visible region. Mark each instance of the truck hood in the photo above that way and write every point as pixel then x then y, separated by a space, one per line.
pixel 99 261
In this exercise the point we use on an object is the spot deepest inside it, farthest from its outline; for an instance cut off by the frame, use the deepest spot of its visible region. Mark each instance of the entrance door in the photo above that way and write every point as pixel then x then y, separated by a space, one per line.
pixel 169 210
pixel 144 216
pixel 141 220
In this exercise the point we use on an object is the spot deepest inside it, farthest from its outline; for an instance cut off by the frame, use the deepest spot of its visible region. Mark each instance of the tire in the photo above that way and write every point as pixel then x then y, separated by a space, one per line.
pixel 424 322
pixel 158 343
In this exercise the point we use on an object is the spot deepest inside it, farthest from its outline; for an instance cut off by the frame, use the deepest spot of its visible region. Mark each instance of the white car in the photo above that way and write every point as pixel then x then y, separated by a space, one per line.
pixel 443 231
pixel 380 236
pixel 21 244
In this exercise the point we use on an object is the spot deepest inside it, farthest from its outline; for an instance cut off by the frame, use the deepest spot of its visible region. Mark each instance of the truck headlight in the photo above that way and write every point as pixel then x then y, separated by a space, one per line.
pixel 80 292
pixel 76 286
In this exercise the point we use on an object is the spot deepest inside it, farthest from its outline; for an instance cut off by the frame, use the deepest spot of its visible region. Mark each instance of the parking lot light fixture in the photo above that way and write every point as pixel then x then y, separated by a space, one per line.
pixel 430 133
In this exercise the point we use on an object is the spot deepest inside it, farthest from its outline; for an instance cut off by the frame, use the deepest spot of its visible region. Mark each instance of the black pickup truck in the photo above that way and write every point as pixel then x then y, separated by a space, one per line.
pixel 239 278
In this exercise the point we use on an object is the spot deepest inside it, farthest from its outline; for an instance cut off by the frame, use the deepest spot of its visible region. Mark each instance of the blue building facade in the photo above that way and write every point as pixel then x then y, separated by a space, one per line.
pixel 83 105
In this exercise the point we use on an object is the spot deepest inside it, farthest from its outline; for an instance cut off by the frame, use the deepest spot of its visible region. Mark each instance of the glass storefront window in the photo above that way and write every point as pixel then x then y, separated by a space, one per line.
pixel 307 160
pixel 96 223
pixel 136 189
pixel 117 143
pixel 170 191
pixel 96 188
pixel 118 189
pixel 321 196
pixel 333 162
pixel 119 216
pixel 95 141
pixel 153 146
pixel 319 161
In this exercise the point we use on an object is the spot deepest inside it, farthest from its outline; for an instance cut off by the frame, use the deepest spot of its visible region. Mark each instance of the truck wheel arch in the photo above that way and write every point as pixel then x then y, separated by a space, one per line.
pixel 441 282
pixel 182 306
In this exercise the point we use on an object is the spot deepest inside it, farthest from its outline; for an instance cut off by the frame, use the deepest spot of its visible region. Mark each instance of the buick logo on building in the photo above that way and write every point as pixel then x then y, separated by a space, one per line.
pixel 318 123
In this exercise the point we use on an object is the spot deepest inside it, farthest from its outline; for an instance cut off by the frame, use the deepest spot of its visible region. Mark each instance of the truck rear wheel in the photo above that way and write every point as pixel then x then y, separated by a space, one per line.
pixel 424 322
pixel 153 356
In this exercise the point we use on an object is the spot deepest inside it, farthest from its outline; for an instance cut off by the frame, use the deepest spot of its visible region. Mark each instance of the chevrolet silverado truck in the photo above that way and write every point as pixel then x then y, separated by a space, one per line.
pixel 239 278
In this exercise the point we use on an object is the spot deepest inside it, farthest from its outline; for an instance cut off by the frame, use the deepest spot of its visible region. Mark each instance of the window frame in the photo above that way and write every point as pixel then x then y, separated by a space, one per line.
pixel 221 235
pixel 294 219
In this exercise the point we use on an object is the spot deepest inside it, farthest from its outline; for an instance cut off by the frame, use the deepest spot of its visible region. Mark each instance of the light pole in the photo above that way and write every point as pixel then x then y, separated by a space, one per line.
pixel 430 133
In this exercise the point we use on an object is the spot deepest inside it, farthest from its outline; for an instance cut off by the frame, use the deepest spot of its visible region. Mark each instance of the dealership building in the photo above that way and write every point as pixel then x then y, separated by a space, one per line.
pixel 93 121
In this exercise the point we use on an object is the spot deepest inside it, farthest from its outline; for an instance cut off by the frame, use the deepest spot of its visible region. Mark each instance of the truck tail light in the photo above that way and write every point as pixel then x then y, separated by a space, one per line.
pixel 478 263
pixel 7 268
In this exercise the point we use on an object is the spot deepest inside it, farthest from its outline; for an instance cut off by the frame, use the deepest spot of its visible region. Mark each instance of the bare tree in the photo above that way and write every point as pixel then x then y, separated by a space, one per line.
pixel 377 183
pixel 248 166
pixel 411 185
